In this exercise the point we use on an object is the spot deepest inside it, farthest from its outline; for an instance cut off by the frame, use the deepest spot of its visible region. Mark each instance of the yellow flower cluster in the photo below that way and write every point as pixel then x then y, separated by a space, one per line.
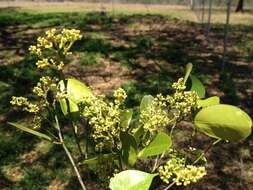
pixel 182 102
pixel 176 171
pixel 53 45
pixel 168 171
pixel 45 84
pixel 154 117
pixel 190 174
pixel 120 96
pixel 167 109
pixel 104 117
pixel 27 106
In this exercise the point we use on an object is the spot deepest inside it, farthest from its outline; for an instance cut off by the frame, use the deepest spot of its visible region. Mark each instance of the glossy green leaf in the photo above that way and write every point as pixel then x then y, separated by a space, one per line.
pixel 188 70
pixel 126 118
pixel 76 91
pixel 129 148
pixel 162 142
pixel 208 102
pixel 73 107
pixel 146 102
pixel 31 131
pixel 131 180
pixel 197 86
pixel 224 122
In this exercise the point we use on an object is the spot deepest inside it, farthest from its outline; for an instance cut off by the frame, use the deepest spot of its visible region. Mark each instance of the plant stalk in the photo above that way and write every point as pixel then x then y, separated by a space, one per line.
pixel 170 185
pixel 206 150
pixel 69 154
pixel 70 117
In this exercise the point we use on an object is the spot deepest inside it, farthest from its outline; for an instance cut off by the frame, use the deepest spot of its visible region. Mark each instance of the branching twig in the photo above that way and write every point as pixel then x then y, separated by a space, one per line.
pixel 206 150
pixel 69 154
pixel 170 185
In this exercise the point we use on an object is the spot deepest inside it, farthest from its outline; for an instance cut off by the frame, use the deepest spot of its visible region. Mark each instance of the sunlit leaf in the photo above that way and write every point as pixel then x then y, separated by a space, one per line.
pixel 162 142
pixel 131 180
pixel 197 86
pixel 224 122
pixel 126 118
pixel 208 102
pixel 146 102
pixel 76 91
pixel 31 131
pixel 73 107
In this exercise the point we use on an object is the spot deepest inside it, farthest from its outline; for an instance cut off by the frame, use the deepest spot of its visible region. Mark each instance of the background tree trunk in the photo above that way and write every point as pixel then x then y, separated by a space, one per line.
pixel 239 7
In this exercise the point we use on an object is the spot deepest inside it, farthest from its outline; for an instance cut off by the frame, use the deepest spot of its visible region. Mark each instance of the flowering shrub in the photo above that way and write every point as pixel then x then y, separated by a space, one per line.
pixel 118 137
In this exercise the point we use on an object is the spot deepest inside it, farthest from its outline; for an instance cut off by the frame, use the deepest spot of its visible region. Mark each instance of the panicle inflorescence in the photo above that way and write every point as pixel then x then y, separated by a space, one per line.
pixel 167 109
pixel 23 102
pixel 182 102
pixel 45 84
pixel 175 170
pixel 154 116
pixel 104 118
pixel 53 45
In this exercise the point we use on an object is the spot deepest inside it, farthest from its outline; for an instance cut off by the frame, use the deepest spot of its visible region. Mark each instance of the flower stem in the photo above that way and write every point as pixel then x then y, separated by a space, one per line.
pixel 170 185
pixel 69 154
pixel 206 150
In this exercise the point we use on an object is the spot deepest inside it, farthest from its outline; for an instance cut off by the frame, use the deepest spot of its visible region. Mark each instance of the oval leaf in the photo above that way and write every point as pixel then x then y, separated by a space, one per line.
pixel 131 180
pixel 129 148
pixel 224 122
pixel 146 102
pixel 76 91
pixel 31 131
pixel 197 86
pixel 126 118
pixel 215 100
pixel 162 142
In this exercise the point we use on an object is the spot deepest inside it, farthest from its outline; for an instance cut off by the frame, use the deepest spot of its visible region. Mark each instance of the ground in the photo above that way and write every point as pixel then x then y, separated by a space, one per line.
pixel 141 50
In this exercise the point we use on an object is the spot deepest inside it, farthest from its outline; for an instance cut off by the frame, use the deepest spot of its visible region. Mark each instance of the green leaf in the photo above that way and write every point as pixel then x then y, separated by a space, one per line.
pixel 31 131
pixel 138 133
pixel 73 107
pixel 146 102
pixel 224 122
pixel 162 142
pixel 208 102
pixel 131 180
pixel 94 160
pixel 129 148
pixel 188 70
pixel 76 91
pixel 126 118
pixel 197 86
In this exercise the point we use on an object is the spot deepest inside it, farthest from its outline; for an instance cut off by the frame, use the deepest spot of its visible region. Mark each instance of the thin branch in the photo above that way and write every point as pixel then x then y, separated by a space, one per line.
pixel 155 165
pixel 70 120
pixel 69 154
pixel 170 185
pixel 206 150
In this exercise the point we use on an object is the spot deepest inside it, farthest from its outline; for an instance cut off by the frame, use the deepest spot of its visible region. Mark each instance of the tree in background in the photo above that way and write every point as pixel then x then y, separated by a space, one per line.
pixel 239 7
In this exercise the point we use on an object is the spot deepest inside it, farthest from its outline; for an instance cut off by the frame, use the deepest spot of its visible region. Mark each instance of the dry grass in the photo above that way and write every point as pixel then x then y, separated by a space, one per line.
pixel 175 11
